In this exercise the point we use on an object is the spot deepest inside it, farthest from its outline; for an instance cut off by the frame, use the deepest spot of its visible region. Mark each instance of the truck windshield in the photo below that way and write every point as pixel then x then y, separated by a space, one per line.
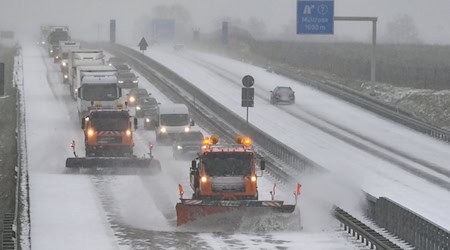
pixel 100 92
pixel 57 36
pixel 231 164
pixel 110 124
pixel 174 119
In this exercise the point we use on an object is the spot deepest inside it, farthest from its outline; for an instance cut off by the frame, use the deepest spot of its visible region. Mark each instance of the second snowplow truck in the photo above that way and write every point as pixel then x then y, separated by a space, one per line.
pixel 224 179
pixel 108 141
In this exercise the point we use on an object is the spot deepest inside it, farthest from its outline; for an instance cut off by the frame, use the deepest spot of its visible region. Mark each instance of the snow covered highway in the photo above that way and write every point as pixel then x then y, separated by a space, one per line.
pixel 76 211
pixel 379 171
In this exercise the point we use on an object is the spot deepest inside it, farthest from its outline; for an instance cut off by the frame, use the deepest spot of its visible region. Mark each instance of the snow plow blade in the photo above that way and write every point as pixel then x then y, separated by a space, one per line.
pixel 114 165
pixel 189 210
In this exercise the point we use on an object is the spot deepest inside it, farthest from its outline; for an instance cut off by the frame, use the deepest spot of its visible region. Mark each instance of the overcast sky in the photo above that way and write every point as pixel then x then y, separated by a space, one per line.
pixel 90 18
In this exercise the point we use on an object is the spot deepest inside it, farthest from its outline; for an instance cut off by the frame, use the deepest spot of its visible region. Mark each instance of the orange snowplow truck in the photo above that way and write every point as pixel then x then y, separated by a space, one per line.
pixel 108 139
pixel 108 133
pixel 224 178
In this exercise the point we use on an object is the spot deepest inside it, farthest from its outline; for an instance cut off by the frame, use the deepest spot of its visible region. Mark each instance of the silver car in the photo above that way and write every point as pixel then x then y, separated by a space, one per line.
pixel 282 95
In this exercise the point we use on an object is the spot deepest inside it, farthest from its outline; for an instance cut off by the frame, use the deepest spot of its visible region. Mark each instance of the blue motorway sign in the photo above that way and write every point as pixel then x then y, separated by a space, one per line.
pixel 315 16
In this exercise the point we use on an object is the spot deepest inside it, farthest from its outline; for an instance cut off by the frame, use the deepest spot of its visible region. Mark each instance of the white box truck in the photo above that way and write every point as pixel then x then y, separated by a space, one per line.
pixel 97 88
pixel 63 54
pixel 82 58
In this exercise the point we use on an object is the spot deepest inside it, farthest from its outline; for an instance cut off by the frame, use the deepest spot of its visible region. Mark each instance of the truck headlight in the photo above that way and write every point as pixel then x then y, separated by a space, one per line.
pixel 179 147
pixel 64 64
pixel 128 132
pixel 132 99
pixel 138 108
pixel 187 129
pixel 135 81
pixel 163 130
pixel 120 81
pixel 66 76
pixel 51 51
pixel 147 119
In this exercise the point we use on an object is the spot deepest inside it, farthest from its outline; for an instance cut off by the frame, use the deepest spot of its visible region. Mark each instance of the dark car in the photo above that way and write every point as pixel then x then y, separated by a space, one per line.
pixel 114 61
pixel 187 144
pixel 127 80
pixel 122 68
pixel 146 107
pixel 135 94
pixel 282 95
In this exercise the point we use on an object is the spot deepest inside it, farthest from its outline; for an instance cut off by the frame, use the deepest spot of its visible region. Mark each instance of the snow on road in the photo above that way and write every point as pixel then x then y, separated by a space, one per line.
pixel 304 127
pixel 119 212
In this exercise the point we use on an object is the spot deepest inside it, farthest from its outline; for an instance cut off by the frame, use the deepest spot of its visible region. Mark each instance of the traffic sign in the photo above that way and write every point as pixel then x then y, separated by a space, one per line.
pixel 248 96
pixel 112 30
pixel 143 44
pixel 315 16
pixel 248 81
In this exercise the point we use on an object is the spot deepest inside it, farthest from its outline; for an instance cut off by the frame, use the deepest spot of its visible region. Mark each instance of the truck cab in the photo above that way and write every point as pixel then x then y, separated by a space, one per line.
pixel 108 133
pixel 82 58
pixel 172 119
pixel 225 172
pixel 98 88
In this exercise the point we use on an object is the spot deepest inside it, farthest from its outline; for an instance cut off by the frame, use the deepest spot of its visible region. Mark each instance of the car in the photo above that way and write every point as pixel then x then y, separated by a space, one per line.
pixel 122 68
pixel 127 80
pixel 282 94
pixel 147 106
pixel 187 144
pixel 135 94
pixel 114 61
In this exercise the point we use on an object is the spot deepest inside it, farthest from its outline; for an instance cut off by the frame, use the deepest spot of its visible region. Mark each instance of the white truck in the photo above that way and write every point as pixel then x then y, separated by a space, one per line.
pixel 172 120
pixel 82 58
pixel 63 55
pixel 97 87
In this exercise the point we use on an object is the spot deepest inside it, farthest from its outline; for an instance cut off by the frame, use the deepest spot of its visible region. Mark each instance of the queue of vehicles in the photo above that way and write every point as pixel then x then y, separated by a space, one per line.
pixel 223 178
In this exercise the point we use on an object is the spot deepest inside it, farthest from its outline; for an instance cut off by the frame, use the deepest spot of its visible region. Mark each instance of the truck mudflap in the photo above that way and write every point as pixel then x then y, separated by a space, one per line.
pixel 191 209
pixel 114 165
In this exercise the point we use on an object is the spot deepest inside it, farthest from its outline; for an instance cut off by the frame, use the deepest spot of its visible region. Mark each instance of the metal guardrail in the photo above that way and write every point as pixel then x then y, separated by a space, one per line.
pixel 409 226
pixel 263 140
pixel 362 232
pixel 371 104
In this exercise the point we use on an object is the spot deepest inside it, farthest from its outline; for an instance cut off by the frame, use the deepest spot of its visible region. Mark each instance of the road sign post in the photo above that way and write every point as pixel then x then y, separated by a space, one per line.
pixel 315 16
pixel 248 93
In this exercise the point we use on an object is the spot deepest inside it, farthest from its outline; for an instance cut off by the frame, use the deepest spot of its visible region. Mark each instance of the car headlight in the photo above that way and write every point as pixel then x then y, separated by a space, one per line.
pixel 138 108
pixel 66 76
pixel 135 81
pixel 120 81
pixel 110 64
pixel 179 147
pixel 51 51
pixel 187 129
pixel 132 99
pixel 163 130
pixel 64 64
pixel 147 119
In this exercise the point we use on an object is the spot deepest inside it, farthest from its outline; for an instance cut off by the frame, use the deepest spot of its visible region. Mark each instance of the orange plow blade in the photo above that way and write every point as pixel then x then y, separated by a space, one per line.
pixel 189 210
